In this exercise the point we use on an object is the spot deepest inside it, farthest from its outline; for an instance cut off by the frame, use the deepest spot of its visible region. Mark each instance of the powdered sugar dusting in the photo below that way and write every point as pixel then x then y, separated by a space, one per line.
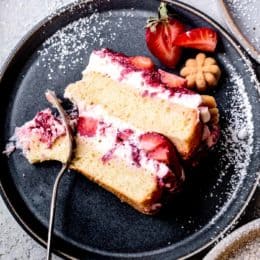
pixel 71 42
pixel 241 120
pixel 236 143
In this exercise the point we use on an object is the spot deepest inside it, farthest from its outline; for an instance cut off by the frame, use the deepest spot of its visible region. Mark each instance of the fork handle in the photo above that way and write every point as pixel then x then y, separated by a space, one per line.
pixel 53 208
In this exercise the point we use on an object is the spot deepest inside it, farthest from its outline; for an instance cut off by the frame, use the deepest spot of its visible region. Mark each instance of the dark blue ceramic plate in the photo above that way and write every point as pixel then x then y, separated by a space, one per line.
pixel 90 222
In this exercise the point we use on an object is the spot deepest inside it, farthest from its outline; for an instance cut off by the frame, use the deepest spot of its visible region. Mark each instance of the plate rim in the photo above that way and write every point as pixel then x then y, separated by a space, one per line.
pixel 234 238
pixel 77 5
pixel 230 22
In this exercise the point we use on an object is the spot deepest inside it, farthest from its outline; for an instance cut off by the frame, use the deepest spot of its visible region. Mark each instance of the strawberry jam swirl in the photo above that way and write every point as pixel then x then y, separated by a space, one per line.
pixel 118 66
pixel 44 127
pixel 115 139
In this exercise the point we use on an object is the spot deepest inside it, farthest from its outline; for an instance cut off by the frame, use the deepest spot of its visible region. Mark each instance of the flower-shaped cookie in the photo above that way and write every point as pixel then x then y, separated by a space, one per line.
pixel 202 72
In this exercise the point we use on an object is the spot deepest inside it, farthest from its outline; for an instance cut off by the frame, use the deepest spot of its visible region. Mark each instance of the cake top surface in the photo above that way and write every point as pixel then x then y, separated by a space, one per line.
pixel 148 82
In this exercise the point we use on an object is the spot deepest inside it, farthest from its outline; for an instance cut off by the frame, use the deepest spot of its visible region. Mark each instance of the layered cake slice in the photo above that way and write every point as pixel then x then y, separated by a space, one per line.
pixel 141 168
pixel 141 98
pixel 128 123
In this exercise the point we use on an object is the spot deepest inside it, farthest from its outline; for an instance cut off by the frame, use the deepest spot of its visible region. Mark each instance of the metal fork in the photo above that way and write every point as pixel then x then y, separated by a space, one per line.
pixel 52 98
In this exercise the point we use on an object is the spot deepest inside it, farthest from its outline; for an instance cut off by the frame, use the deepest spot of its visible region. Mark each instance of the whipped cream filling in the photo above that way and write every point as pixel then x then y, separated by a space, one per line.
pixel 45 127
pixel 108 143
pixel 102 61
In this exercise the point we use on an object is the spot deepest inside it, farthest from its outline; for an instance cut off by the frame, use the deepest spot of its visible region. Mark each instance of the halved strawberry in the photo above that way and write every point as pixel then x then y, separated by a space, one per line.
pixel 150 140
pixel 204 39
pixel 157 147
pixel 160 35
pixel 172 80
pixel 87 126
pixel 142 62
pixel 161 154
pixel 160 148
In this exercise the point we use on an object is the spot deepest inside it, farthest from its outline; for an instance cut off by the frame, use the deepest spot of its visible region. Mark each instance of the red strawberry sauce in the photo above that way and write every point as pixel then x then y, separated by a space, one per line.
pixel 151 77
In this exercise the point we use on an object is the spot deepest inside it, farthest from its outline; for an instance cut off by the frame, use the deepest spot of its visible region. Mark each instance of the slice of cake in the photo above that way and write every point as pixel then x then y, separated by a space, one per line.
pixel 128 123
pixel 139 97
pixel 141 168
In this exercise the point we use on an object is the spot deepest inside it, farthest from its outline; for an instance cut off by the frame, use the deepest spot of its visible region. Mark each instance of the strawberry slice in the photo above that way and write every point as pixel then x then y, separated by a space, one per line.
pixel 142 62
pixel 87 126
pixel 160 34
pixel 157 147
pixel 172 80
pixel 161 149
pixel 150 140
pixel 204 39
pixel 161 154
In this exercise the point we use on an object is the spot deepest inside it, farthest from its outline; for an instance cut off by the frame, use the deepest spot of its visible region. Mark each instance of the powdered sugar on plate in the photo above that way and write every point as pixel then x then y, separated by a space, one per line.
pixel 235 147
pixel 236 143
pixel 79 36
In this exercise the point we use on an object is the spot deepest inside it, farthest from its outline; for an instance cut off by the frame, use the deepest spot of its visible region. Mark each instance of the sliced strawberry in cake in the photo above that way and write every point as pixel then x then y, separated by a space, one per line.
pixel 134 165
pixel 87 126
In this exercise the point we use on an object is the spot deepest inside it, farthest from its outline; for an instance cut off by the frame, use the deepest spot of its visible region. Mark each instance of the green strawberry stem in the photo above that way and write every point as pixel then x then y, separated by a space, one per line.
pixel 162 11
pixel 162 16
